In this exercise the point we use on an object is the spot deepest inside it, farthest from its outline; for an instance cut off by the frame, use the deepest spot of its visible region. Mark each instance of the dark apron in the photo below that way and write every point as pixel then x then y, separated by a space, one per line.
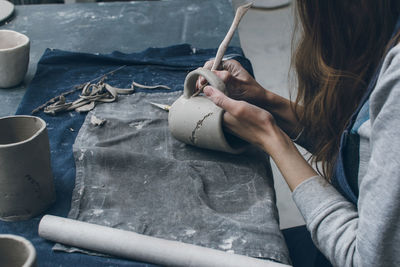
pixel 345 177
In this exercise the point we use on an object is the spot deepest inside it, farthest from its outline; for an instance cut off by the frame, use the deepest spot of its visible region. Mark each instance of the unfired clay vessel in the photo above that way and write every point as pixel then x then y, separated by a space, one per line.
pixel 14 58
pixel 26 181
pixel 197 121
pixel 16 251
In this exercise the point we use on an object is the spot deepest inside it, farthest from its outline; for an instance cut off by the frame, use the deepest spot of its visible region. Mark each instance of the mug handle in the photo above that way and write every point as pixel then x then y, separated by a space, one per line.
pixel 191 78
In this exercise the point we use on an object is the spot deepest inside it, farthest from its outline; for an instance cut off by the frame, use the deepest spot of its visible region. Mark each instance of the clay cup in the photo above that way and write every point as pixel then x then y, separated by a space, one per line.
pixel 14 58
pixel 197 121
pixel 26 180
pixel 16 251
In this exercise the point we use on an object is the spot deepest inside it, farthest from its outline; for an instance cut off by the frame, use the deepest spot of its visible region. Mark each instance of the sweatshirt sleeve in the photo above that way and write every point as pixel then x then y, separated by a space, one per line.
pixel 367 235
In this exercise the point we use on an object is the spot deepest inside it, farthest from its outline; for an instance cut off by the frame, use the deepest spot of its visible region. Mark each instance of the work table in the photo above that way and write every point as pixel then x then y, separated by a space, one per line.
pixel 118 26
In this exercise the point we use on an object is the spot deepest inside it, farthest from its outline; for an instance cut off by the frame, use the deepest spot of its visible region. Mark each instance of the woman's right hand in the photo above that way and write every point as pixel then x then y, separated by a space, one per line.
pixel 239 83
pixel 242 86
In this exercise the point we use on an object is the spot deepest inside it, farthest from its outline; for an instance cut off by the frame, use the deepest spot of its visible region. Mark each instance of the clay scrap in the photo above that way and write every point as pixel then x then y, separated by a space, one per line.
pixel 91 94
pixel 96 121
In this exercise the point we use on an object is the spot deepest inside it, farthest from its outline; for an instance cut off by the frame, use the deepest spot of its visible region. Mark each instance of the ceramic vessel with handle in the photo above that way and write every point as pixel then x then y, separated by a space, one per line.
pixel 198 121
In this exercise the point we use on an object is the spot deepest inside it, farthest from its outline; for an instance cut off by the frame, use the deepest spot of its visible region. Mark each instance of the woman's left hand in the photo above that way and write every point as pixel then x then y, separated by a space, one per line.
pixel 258 127
pixel 247 121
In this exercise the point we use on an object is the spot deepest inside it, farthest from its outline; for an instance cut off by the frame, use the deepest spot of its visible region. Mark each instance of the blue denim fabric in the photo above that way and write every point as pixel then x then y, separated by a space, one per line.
pixel 59 71
pixel 345 178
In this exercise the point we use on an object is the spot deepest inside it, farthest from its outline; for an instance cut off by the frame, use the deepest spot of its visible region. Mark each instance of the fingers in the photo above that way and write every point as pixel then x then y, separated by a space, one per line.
pixel 201 81
pixel 220 99
pixel 230 65
pixel 247 121
pixel 238 109
pixel 228 68
pixel 235 113
pixel 208 64
pixel 224 75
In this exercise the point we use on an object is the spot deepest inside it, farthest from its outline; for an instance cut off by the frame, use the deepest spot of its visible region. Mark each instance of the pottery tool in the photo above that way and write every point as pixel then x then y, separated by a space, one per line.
pixel 225 42
pixel 135 246
pixel 161 106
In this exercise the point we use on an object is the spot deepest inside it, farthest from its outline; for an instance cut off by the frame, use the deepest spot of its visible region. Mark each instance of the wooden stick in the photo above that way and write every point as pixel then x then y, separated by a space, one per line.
pixel 225 43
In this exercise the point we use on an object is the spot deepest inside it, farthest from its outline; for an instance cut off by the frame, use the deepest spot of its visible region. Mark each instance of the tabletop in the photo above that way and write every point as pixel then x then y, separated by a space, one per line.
pixel 128 27
pixel 102 28
pixel 108 26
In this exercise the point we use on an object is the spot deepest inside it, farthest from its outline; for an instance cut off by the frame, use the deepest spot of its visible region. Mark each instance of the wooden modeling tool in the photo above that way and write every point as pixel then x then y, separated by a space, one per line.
pixel 161 106
pixel 225 43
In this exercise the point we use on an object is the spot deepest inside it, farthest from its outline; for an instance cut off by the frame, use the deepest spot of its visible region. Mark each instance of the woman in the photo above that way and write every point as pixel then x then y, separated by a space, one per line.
pixel 347 113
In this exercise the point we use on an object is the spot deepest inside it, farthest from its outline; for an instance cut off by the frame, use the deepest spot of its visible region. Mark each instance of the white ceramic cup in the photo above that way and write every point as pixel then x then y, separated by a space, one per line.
pixel 16 251
pixel 198 121
pixel 26 180
pixel 14 58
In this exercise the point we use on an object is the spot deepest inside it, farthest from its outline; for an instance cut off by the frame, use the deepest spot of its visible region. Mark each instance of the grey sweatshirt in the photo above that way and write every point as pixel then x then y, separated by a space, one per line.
pixel 367 235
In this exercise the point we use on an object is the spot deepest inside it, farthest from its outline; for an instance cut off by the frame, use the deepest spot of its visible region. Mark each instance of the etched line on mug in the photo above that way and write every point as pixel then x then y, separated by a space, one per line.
pixel 35 184
pixel 198 125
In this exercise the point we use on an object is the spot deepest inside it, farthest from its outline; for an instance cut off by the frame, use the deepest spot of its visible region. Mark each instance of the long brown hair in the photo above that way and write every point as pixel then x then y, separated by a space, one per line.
pixel 341 44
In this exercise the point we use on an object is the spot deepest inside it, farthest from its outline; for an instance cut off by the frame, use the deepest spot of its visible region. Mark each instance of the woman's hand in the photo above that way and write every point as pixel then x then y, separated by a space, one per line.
pixel 239 83
pixel 245 120
pixel 258 127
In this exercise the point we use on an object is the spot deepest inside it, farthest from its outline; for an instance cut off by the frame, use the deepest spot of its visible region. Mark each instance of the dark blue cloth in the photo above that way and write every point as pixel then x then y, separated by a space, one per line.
pixel 345 178
pixel 59 71
pixel 302 251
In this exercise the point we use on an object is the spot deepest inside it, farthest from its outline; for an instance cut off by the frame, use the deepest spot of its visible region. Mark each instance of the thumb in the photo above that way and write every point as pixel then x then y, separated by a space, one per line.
pixel 219 98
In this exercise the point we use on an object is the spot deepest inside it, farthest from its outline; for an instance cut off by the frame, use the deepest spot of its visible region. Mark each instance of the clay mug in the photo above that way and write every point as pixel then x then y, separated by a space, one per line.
pixel 14 58
pixel 197 121
pixel 16 251
pixel 26 180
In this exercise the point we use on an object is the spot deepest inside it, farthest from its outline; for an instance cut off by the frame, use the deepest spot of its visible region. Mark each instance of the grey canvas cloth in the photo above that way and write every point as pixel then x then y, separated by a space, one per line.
pixel 133 175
